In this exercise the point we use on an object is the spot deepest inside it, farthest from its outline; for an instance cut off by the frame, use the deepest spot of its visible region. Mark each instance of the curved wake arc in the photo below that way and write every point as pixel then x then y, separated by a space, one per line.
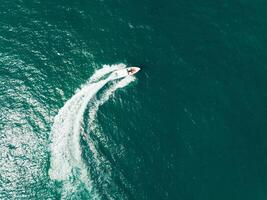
pixel 66 153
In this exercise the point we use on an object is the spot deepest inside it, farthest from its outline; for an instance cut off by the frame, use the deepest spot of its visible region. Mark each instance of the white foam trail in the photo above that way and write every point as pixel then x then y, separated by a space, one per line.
pixel 92 112
pixel 65 147
pixel 105 70
pixel 66 158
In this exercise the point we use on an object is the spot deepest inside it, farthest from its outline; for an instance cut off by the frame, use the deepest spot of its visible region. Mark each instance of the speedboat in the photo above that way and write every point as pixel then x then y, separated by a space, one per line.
pixel 121 73
pixel 132 70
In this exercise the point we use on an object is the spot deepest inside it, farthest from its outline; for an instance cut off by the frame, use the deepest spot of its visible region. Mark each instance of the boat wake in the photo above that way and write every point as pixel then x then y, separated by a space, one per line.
pixel 67 164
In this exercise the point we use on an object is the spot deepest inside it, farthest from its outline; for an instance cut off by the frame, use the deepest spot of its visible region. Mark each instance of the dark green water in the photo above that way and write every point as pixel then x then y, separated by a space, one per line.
pixel 192 126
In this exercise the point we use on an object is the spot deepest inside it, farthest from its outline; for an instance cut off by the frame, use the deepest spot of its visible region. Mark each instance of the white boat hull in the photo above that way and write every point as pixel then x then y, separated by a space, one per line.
pixel 121 73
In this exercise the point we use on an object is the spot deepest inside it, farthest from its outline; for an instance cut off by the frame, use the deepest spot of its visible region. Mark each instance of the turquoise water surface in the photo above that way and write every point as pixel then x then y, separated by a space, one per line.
pixel 191 125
